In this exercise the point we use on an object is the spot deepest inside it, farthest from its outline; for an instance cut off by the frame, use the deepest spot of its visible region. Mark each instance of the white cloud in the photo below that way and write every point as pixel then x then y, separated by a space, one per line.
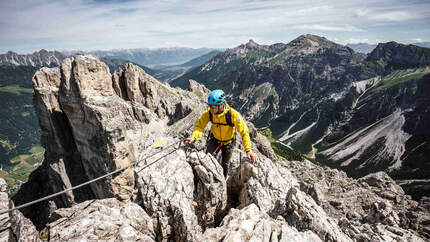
pixel 388 15
pixel 356 41
pixel 417 40
pixel 397 16
pixel 362 12
pixel 345 27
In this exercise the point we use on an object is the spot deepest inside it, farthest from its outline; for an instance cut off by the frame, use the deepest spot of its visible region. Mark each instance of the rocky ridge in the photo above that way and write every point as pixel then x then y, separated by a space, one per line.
pixel 94 123
pixel 285 78
pixel 37 59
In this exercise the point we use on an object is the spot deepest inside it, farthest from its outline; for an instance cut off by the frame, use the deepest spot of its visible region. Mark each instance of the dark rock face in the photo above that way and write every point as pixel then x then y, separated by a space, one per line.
pixel 393 56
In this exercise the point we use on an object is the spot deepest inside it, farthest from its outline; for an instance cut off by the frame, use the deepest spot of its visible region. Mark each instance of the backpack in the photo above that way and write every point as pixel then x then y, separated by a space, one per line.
pixel 227 118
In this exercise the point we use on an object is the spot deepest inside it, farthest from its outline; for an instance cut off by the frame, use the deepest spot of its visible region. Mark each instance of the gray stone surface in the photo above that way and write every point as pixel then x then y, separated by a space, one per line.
pixel 4 218
pixel 105 219
pixel 369 208
pixel 251 224
pixel 13 225
pixel 166 191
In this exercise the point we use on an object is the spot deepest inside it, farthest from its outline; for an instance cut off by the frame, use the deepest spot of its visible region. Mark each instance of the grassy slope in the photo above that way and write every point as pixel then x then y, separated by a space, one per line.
pixel 387 83
pixel 280 149
pixel 19 128
pixel 22 165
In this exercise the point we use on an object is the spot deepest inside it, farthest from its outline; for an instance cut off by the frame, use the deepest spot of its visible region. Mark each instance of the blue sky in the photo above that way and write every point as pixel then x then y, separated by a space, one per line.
pixel 30 25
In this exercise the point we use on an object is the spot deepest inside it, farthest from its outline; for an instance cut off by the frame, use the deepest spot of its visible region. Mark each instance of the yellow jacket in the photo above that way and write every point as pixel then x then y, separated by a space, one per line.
pixel 223 132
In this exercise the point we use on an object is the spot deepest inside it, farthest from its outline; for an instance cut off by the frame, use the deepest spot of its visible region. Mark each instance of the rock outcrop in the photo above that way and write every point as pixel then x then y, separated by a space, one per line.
pixel 371 208
pixel 13 225
pixel 94 123
pixel 106 219
pixel 251 224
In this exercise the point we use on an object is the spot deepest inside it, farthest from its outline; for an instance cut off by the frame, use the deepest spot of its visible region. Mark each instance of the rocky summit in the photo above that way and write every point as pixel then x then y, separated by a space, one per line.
pixel 94 123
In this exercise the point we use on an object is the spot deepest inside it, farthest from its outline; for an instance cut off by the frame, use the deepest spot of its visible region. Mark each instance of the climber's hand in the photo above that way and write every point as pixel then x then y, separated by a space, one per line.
pixel 253 157
pixel 189 141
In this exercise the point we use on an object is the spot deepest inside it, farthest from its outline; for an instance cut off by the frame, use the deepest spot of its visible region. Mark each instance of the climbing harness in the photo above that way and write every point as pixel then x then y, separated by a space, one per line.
pixel 227 119
pixel 216 150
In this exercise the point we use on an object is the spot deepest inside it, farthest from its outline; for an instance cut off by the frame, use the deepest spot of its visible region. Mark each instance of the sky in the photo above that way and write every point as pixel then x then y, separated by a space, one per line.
pixel 30 25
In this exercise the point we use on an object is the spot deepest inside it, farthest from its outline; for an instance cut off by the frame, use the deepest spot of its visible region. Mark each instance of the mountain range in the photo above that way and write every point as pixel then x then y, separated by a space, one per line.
pixel 115 168
pixel 36 59
pixel 367 48
pixel 148 57
pixel 356 112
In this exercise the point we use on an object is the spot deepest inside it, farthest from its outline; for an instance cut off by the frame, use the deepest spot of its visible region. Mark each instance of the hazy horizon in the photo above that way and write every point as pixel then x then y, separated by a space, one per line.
pixel 27 26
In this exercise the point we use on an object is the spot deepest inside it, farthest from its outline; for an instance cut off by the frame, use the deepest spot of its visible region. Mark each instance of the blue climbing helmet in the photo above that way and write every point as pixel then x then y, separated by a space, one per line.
pixel 216 97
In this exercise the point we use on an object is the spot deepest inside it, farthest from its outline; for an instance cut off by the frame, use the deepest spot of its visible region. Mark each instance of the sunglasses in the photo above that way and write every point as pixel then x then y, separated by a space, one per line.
pixel 213 106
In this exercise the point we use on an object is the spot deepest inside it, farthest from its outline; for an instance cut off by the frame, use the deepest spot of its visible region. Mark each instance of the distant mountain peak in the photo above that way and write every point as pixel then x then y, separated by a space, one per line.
pixel 390 43
pixel 251 44
pixel 310 40
pixel 381 48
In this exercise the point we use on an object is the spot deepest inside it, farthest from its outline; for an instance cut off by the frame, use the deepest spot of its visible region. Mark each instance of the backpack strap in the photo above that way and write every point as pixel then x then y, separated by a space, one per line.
pixel 227 119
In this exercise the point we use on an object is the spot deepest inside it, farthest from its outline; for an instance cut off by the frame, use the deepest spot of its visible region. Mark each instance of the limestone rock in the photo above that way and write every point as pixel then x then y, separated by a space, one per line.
pixel 211 188
pixel 4 218
pixel 22 229
pixel 199 89
pixel 361 205
pixel 382 180
pixel 263 145
pixel 251 224
pixel 106 219
pixel 166 192
pixel 265 184
pixel 382 212
pixel 303 213
pixel 92 124
pixel 13 225
pixel 96 117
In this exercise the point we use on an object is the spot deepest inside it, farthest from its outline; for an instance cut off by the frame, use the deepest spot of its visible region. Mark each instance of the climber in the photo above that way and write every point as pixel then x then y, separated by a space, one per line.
pixel 225 120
